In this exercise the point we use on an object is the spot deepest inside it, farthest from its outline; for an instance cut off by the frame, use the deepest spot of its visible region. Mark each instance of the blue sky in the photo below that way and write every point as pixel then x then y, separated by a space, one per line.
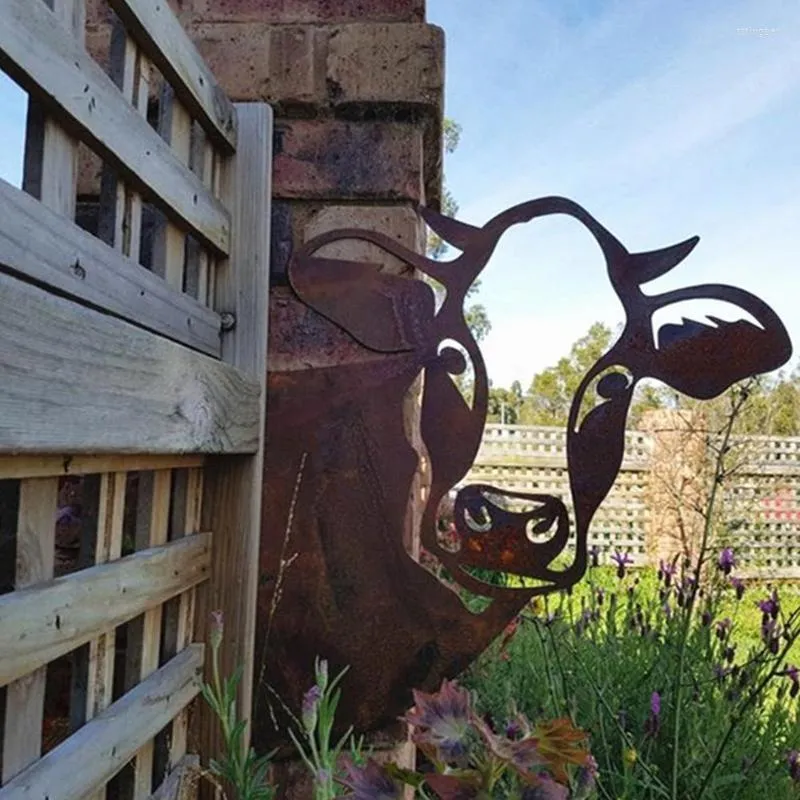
pixel 664 118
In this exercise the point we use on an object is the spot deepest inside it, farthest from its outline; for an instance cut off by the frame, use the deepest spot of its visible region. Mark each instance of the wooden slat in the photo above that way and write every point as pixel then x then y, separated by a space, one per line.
pixel 234 486
pixel 77 381
pixel 41 623
pixel 96 752
pixel 169 250
pixel 172 51
pixel 51 250
pixel 45 466
pixel 37 53
pixel 144 634
pixel 186 606
pixel 100 674
pixel 181 783
pixel 35 555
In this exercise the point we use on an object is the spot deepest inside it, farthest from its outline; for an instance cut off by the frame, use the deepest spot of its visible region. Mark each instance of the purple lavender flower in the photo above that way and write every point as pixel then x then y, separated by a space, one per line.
pixel 723 628
pixel 621 560
pixel 770 607
pixel 738 585
pixel 310 705
pixel 726 561
pixel 594 553
pixel 793 674
pixel 585 780
pixel 793 758
pixel 730 653
pixel 653 723
pixel 666 571
pixel 706 618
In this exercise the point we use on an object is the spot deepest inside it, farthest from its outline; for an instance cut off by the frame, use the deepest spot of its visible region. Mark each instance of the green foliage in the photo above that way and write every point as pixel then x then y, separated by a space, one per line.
pixel 313 741
pixel 681 698
pixel 245 772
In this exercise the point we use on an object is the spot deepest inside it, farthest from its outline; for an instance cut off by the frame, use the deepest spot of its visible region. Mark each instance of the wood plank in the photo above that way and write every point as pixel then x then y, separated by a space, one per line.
pixel 77 381
pixel 96 752
pixel 181 783
pixel 22 745
pixel 169 250
pixel 45 466
pixel 57 71
pixel 144 634
pixel 161 34
pixel 233 491
pixel 41 623
pixel 53 251
pixel 184 632
pixel 108 547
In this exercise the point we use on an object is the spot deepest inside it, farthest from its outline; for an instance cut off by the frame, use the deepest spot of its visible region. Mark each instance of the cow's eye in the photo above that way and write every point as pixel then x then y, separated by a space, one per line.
pixel 453 360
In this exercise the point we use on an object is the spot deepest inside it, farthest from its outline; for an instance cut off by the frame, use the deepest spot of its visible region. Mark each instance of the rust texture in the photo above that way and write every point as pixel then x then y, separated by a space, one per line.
pixel 347 343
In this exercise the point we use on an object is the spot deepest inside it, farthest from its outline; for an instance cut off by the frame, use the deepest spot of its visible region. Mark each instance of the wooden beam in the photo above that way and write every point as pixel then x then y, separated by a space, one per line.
pixel 95 753
pixel 46 466
pixel 161 35
pixel 234 486
pixel 56 70
pixel 77 381
pixel 43 622
pixel 51 250
pixel 22 743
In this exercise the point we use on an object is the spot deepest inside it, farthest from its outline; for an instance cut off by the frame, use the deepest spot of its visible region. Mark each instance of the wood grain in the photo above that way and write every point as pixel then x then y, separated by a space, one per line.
pixel 96 752
pixel 44 466
pixel 163 38
pixel 57 71
pixel 234 486
pixel 77 381
pixel 43 622
pixel 42 245
pixel 35 555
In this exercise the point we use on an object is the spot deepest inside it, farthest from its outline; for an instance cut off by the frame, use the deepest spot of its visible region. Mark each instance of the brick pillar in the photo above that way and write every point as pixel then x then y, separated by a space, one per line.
pixel 678 483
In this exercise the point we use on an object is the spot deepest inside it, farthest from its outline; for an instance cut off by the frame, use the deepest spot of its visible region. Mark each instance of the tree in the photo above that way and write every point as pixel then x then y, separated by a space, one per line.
pixel 551 391
pixel 475 314
pixel 505 405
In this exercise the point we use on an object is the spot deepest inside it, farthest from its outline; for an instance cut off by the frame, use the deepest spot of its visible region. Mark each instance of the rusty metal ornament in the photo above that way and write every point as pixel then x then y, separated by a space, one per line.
pixel 347 343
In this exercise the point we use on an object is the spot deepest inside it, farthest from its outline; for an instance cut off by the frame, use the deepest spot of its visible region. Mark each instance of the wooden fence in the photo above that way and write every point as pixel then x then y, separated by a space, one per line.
pixel 134 394
pixel 759 508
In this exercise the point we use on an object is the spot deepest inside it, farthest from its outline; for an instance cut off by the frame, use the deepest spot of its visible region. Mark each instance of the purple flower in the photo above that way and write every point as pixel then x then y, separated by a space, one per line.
pixel 726 561
pixel 706 618
pixel 666 570
pixel 724 628
pixel 730 653
pixel 594 553
pixel 720 672
pixel 216 629
pixel 738 585
pixel 770 607
pixel 585 779
pixel 310 705
pixel 441 721
pixel 601 595
pixel 793 758
pixel 653 723
pixel 621 560
pixel 655 704
pixel 793 674
pixel 371 782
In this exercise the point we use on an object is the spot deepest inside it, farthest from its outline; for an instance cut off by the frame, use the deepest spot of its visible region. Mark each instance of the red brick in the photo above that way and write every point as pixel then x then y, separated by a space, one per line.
pixel 276 64
pixel 292 12
pixel 347 160
pixel 369 63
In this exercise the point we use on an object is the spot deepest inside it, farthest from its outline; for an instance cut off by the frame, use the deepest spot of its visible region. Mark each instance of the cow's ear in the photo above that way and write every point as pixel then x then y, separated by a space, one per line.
pixel 703 359
pixel 383 312
pixel 456 234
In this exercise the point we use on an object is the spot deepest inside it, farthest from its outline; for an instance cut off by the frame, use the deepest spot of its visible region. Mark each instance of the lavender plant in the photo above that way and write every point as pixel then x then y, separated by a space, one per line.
pixel 681 700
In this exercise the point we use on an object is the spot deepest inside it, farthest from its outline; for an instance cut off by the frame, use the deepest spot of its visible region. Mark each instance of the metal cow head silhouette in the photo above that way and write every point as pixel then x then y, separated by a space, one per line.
pixel 346 345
